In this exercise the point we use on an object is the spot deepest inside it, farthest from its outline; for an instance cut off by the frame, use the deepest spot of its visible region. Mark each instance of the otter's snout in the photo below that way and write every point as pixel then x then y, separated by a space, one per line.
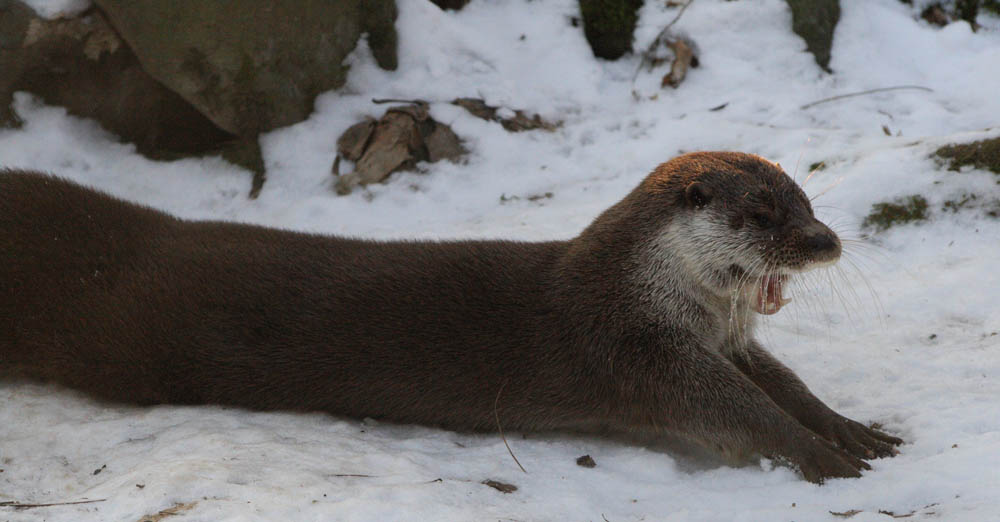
pixel 821 242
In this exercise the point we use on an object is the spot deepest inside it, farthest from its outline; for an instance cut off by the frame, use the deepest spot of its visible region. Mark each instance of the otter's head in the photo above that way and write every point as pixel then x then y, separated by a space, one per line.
pixel 740 224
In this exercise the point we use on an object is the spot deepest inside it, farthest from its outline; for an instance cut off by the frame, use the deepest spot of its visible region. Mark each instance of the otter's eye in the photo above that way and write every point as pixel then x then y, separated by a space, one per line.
pixel 763 220
pixel 697 194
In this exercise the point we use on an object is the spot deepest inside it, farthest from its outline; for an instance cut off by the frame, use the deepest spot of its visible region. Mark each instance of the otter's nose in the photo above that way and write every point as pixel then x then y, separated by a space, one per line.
pixel 821 242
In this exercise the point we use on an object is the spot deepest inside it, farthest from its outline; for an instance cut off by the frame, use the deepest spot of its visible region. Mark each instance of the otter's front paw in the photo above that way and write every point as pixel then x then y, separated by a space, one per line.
pixel 818 459
pixel 854 437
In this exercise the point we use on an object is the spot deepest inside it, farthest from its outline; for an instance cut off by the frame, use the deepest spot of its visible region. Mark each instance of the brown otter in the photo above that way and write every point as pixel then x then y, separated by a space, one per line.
pixel 640 323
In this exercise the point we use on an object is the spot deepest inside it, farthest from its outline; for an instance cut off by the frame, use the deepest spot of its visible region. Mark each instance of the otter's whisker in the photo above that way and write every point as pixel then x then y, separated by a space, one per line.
pixel 828 188
pixel 879 310
pixel 839 295
pixel 839 271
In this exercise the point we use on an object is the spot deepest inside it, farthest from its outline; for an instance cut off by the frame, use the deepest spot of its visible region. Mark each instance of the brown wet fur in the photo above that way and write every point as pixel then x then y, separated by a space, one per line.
pixel 131 304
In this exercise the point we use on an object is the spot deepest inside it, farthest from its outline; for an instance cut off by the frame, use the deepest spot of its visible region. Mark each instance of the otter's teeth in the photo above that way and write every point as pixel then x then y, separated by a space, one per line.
pixel 783 300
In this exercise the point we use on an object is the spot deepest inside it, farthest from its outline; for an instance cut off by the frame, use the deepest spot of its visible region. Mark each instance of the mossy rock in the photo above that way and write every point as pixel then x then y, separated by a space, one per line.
pixel 81 64
pixel 252 65
pixel 454 5
pixel 984 154
pixel 910 209
pixel 815 21
pixel 608 25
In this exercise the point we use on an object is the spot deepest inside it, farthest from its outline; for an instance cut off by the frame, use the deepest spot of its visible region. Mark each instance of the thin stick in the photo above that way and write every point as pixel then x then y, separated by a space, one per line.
pixel 497 415
pixel 656 41
pixel 17 505
pixel 869 91
pixel 396 100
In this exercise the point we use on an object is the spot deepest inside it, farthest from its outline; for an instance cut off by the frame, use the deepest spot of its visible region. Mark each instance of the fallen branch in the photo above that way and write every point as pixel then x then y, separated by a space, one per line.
pixel 862 93
pixel 397 100
pixel 18 505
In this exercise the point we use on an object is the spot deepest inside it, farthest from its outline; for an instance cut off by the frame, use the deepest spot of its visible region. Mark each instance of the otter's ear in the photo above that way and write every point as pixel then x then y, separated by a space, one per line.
pixel 697 194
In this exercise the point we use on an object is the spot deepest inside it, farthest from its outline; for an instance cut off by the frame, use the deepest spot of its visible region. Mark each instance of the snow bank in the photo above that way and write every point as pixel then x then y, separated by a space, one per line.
pixel 903 333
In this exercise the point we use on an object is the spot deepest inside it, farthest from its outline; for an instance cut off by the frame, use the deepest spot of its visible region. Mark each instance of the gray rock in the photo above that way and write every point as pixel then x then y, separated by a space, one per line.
pixel 252 65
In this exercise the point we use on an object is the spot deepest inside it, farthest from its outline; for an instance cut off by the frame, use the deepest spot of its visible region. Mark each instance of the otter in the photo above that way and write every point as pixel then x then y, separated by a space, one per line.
pixel 644 322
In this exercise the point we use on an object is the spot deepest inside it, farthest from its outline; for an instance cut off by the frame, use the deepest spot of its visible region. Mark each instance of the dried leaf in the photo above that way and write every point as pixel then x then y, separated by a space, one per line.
pixel 354 140
pixel 500 486
pixel 683 56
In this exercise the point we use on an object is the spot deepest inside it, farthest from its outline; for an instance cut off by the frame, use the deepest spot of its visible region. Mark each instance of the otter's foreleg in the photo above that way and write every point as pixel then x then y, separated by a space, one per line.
pixel 705 397
pixel 792 395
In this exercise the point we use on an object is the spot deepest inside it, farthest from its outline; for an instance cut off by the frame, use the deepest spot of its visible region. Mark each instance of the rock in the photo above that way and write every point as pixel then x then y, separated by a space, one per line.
pixel 815 21
pixel 586 461
pixel 454 5
pixel 82 65
pixel 608 25
pixel 246 153
pixel 252 65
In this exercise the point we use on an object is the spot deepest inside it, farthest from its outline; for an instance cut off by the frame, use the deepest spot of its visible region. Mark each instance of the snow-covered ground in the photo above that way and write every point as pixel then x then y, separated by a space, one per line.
pixel 905 333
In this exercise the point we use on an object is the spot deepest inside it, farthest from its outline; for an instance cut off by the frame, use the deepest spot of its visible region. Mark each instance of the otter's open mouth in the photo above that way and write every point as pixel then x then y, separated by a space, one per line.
pixel 769 299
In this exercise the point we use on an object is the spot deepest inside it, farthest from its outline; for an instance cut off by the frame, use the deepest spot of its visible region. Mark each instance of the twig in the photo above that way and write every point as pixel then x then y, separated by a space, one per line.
pixel 869 91
pixel 396 100
pixel 497 415
pixel 658 39
pixel 17 505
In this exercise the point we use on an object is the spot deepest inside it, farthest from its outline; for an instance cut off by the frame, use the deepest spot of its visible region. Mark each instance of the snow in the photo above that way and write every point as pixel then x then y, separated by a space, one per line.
pixel 53 9
pixel 904 333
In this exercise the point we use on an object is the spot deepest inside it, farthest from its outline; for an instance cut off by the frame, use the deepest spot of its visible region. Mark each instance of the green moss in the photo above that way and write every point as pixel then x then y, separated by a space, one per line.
pixel 608 25
pixel 993 209
pixel 989 206
pixel 818 166
pixel 983 154
pixel 954 205
pixel 904 210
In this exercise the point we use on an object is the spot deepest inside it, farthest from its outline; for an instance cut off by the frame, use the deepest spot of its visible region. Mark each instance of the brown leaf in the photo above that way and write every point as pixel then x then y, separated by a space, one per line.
pixel 443 143
pixel 683 55
pixel 477 108
pixel 500 486
pixel 519 122
pixel 176 509
pixel 354 140
pixel 389 149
